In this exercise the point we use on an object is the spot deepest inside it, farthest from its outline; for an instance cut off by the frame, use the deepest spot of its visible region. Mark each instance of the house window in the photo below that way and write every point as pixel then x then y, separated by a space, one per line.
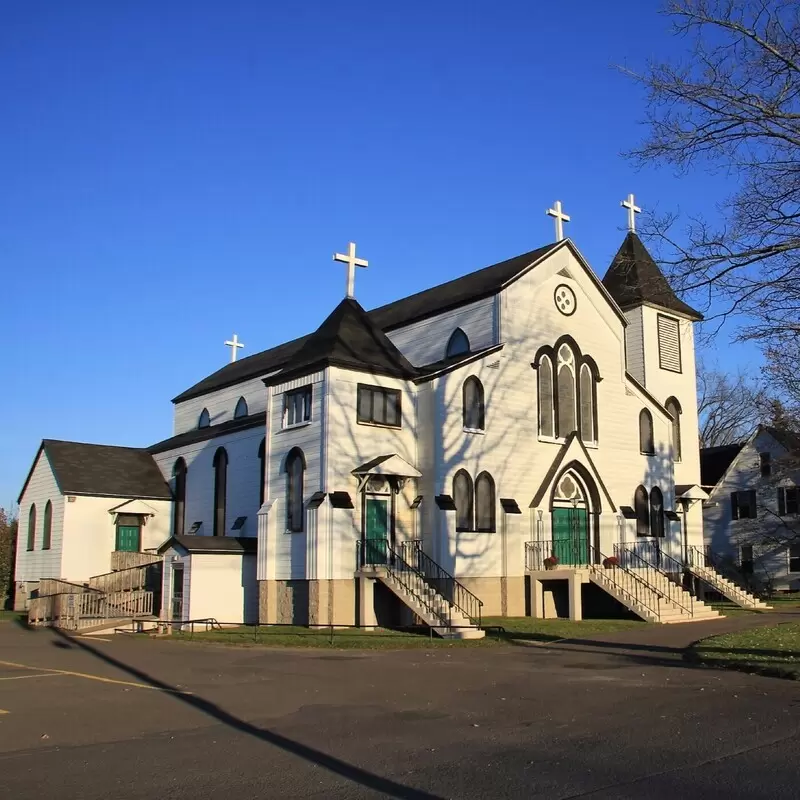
pixel 47 531
pixel 765 464
pixel 794 558
pixel 241 409
pixel 378 406
pixel 458 344
pixel 220 490
pixel 788 501
pixel 566 391
pixel 204 420
pixel 588 433
pixel 646 441
pixel 484 503
pixel 746 559
pixel 641 505
pixel 297 407
pixel 656 512
pixel 295 472
pixel 669 344
pixel 674 409
pixel 473 405
pixel 546 427
pixel 32 527
pixel 179 509
pixel 463 499
pixel 262 460
pixel 743 504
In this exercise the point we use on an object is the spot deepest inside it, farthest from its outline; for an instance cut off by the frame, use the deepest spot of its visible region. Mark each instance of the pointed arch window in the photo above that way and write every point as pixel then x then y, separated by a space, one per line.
pixel 220 490
pixel 656 512
pixel 646 441
pixel 674 407
pixel 464 500
pixel 204 420
pixel 566 391
pixel 458 344
pixel 473 404
pixel 262 460
pixel 32 527
pixel 179 508
pixel 241 409
pixel 295 474
pixel 588 418
pixel 47 528
pixel 485 505
pixel 546 426
pixel 641 506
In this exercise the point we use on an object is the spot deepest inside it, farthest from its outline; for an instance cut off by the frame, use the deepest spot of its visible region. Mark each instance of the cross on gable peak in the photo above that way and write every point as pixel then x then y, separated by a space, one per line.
pixel 234 345
pixel 560 218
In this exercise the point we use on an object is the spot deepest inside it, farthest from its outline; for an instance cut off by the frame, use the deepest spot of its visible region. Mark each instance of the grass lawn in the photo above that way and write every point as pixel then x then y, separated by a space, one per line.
pixel 10 616
pixel 515 630
pixel 774 650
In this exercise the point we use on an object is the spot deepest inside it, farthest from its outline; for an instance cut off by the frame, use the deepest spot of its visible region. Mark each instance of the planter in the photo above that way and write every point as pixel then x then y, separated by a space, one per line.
pixel 611 562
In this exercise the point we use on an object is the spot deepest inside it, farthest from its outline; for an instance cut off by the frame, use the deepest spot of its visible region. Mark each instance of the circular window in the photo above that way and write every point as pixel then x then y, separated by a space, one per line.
pixel 565 299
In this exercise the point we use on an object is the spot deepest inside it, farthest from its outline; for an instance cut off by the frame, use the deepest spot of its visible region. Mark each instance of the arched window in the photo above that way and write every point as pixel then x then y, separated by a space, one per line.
pixel 473 406
pixel 566 391
pixel 262 449
pixel 32 527
pixel 458 344
pixel 204 420
pixel 588 432
pixel 463 498
pixel 220 490
pixel 674 408
pixel 484 503
pixel 241 409
pixel 641 506
pixel 646 442
pixel 47 531
pixel 295 469
pixel 546 427
pixel 179 507
pixel 656 512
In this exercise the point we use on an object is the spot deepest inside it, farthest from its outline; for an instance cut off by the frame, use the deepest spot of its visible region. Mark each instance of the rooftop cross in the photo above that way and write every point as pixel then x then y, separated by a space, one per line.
pixel 352 262
pixel 234 345
pixel 560 218
pixel 633 210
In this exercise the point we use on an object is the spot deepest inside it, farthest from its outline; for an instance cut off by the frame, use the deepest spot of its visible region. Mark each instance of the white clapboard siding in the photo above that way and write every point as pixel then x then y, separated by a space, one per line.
pixel 634 340
pixel 220 404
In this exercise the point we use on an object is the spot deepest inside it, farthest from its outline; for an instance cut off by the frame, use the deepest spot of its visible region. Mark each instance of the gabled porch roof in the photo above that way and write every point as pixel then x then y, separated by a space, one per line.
pixel 390 464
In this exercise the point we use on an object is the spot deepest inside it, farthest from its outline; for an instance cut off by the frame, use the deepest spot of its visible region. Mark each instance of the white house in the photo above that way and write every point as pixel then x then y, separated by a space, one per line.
pixel 751 517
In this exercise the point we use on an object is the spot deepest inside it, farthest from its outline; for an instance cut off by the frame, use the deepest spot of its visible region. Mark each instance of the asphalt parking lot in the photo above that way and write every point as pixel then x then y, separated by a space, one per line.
pixel 82 718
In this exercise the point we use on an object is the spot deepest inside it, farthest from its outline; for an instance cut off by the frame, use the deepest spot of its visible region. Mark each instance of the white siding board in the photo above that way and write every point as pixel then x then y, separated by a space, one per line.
pixel 220 404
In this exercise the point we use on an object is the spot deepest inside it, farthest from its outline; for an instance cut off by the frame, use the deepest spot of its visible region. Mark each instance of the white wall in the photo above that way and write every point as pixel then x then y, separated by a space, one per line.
pixel 38 563
pixel 223 586
pixel 634 338
pixel 220 404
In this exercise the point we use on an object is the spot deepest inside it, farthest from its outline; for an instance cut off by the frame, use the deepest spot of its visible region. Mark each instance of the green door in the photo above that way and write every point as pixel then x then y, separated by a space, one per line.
pixel 570 536
pixel 128 538
pixel 376 530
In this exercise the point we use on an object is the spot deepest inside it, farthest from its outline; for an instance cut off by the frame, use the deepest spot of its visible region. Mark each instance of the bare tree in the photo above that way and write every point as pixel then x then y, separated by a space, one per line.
pixel 733 105
pixel 729 406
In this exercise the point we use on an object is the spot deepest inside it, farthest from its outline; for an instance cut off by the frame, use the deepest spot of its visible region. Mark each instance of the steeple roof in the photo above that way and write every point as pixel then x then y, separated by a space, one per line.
pixel 348 338
pixel 635 279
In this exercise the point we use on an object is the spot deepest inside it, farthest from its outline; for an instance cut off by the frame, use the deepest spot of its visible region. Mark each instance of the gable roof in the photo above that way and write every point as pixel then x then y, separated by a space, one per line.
pixel 348 338
pixel 458 292
pixel 714 462
pixel 102 470
pixel 634 278
pixel 236 545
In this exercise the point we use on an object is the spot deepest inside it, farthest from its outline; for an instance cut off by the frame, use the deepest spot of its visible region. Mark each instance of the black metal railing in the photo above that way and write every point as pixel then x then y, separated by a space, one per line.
pixel 546 554
pixel 749 584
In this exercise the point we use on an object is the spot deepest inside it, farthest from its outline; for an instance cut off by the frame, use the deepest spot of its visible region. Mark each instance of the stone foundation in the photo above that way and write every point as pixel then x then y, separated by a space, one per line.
pixel 302 602
pixel 502 597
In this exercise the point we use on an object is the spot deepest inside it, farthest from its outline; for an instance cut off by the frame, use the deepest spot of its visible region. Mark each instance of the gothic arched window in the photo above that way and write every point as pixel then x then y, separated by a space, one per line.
pixel 220 490
pixel 656 512
pixel 674 408
pixel 463 499
pixel 641 506
pixel 32 527
pixel 204 420
pixel 295 469
pixel 241 409
pixel 566 391
pixel 458 344
pixel 179 509
pixel 546 427
pixel 484 503
pixel 47 531
pixel 588 432
pixel 473 404
pixel 646 441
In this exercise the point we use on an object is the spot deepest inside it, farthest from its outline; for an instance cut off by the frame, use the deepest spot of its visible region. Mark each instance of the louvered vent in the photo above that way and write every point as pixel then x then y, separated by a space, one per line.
pixel 669 344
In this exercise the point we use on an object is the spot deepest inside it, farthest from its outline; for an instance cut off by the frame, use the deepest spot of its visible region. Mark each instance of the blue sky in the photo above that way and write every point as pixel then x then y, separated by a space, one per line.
pixel 175 172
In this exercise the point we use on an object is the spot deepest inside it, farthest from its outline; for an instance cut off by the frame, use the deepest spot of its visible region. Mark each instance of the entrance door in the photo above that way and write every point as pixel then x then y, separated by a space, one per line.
pixel 177 592
pixel 128 537
pixel 571 535
pixel 376 530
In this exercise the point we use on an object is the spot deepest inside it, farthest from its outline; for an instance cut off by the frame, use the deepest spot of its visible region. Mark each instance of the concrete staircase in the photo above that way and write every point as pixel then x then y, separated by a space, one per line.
pixel 727 588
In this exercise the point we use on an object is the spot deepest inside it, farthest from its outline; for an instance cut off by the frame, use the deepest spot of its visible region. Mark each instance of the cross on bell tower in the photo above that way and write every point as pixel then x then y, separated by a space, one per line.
pixel 633 210
pixel 352 262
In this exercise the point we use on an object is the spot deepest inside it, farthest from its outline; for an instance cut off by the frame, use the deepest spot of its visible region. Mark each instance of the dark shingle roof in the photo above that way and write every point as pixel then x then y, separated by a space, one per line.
pixel 349 338
pixel 714 461
pixel 213 544
pixel 634 278
pixel 106 470
pixel 787 439
pixel 455 293
pixel 258 420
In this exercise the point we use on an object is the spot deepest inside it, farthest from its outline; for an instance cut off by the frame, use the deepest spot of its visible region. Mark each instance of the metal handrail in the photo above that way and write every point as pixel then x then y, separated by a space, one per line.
pixel 626 581
pixel 705 558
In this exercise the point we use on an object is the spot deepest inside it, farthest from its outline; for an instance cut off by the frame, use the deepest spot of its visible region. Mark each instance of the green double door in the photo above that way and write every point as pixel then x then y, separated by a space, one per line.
pixel 376 530
pixel 571 535
pixel 128 538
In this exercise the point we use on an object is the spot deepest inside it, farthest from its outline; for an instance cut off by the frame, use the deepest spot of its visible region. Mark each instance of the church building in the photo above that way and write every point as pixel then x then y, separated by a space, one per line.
pixel 462 449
